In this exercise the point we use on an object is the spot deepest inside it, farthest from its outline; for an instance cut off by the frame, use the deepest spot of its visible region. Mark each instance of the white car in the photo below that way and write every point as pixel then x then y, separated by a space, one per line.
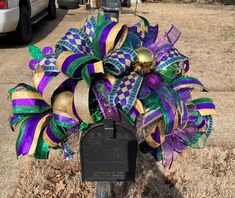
pixel 18 16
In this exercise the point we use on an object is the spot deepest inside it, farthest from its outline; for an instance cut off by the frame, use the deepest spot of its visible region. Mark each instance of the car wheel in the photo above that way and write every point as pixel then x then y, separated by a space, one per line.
pixel 23 33
pixel 51 10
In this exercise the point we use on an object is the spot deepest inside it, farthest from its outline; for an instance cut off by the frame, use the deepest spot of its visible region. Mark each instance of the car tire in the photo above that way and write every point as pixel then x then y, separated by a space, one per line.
pixel 51 10
pixel 23 33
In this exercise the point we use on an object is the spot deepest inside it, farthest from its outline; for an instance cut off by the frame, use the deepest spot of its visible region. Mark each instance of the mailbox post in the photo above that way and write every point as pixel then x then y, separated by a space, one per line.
pixel 111 7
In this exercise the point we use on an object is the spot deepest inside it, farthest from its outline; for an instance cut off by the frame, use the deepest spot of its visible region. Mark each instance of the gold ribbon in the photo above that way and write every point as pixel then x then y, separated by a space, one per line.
pixel 52 86
pixel 151 142
pixel 81 102
pixel 41 123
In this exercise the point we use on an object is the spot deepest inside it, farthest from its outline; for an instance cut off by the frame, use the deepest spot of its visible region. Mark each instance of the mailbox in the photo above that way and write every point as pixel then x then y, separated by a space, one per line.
pixel 111 7
pixel 108 152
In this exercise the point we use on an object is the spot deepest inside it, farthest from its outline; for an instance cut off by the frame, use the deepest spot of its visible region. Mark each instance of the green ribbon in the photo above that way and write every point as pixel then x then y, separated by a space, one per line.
pixel 42 150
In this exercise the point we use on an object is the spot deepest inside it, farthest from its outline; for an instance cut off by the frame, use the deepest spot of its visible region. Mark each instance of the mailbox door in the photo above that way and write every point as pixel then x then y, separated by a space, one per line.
pixel 108 155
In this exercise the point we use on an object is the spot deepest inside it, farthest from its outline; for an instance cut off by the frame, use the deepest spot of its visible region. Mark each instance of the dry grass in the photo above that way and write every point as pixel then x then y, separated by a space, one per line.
pixel 208 40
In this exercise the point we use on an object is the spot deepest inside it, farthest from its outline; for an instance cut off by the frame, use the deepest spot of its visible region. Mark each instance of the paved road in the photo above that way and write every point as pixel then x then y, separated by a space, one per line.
pixel 208 38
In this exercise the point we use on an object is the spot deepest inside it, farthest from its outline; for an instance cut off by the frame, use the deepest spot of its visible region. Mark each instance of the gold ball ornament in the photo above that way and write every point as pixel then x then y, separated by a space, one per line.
pixel 145 62
pixel 62 104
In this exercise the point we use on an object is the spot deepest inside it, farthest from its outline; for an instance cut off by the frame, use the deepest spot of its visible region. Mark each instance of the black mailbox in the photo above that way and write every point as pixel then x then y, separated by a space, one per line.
pixel 111 7
pixel 108 152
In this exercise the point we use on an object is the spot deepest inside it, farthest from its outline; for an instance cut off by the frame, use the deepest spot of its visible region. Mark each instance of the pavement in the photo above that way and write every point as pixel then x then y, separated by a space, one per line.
pixel 13 69
pixel 208 39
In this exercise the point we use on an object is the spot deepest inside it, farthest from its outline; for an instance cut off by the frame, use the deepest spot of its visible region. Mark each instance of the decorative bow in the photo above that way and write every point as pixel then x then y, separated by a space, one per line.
pixel 93 68
pixel 97 48
pixel 165 94
pixel 126 89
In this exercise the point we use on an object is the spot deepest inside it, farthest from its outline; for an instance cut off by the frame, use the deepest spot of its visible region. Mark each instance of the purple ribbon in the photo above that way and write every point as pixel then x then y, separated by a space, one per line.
pixel 64 119
pixel 51 135
pixel 101 88
pixel 155 82
pixel 28 102
pixel 165 43
pixel 29 131
pixel 103 39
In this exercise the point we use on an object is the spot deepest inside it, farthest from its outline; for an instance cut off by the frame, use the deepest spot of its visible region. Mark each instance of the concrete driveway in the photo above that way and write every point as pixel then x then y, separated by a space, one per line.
pixel 208 39
pixel 13 69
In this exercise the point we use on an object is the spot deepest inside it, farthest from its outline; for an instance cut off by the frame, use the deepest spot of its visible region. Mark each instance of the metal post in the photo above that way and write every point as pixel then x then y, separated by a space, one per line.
pixel 103 190
pixel 136 4
pixel 111 8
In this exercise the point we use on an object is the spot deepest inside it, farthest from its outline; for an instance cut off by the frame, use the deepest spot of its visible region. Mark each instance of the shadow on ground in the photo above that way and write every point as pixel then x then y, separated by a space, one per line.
pixel 149 182
pixel 40 30
pixel 45 27
pixel 56 177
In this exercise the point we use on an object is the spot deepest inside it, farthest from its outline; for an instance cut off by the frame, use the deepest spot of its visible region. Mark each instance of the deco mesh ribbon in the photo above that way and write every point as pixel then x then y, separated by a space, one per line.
pixel 92 76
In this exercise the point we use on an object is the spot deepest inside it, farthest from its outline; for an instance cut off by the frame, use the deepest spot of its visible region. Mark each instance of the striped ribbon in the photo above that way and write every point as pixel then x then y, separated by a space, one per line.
pixel 205 106
pixel 187 82
pixel 56 131
pixel 83 56
pixel 35 114
pixel 27 101
pixel 29 134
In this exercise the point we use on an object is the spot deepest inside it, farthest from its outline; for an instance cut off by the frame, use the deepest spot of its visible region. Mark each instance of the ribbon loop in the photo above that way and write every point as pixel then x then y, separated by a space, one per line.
pixel 187 82
pixel 75 41
pixel 110 36
pixel 125 91
pixel 205 106
pixel 119 61
pixel 166 42
pixel 30 131
pixel 81 102
pixel 27 101
pixel 89 28
pixel 71 64
pixel 168 60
